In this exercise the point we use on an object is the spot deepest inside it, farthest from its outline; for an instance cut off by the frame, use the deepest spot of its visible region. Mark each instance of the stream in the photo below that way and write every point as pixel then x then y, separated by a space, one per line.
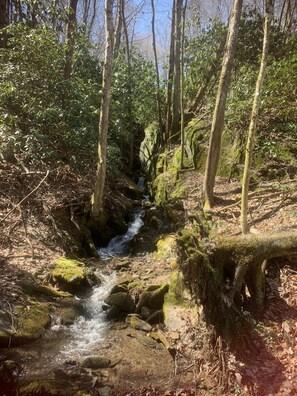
pixel 69 343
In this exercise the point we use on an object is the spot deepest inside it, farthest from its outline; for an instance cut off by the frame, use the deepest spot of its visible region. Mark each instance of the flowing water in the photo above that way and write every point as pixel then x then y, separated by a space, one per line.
pixel 118 244
pixel 63 343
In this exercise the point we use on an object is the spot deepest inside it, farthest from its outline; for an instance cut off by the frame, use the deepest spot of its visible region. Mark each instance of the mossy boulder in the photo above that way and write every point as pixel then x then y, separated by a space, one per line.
pixel 152 299
pixel 148 149
pixel 166 248
pixel 44 387
pixel 71 275
pixel 123 301
pixel 26 324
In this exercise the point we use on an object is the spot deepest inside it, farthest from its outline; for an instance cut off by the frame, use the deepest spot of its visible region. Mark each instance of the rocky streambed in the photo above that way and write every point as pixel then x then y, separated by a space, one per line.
pixel 94 327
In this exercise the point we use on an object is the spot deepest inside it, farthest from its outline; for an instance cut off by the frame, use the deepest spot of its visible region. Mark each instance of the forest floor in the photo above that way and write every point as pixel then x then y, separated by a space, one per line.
pixel 264 364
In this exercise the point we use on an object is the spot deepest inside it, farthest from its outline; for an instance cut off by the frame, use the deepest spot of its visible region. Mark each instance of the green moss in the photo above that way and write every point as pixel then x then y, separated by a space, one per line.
pixel 69 275
pixel 31 321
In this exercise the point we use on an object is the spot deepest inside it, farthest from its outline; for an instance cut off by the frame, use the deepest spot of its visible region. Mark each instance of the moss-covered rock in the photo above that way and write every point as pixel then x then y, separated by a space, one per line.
pixel 148 150
pixel 70 275
pixel 152 299
pixel 122 301
pixel 166 248
pixel 44 387
pixel 26 324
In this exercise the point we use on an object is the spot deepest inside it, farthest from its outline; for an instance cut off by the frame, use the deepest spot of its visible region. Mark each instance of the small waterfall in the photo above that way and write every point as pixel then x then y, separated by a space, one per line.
pixel 87 332
pixel 118 244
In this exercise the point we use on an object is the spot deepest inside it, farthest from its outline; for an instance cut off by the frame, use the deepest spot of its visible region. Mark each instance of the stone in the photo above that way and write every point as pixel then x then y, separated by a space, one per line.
pixel 152 299
pixel 138 324
pixel 160 338
pixel 96 362
pixel 156 317
pixel 105 391
pixel 147 342
pixel 122 265
pixel 70 275
pixel 119 289
pixel 114 313
pixel 121 300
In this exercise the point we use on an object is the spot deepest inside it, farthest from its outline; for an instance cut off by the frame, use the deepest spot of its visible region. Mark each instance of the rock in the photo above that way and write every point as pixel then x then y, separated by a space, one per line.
pixel 147 342
pixel 114 313
pixel 9 370
pixel 30 322
pixel 160 338
pixel 152 299
pixel 138 324
pixel 156 317
pixel 47 387
pixel 96 362
pixel 121 300
pixel 145 313
pixel 70 275
pixel 119 289
pixel 105 391
pixel 69 314
pixel 124 264
pixel 33 288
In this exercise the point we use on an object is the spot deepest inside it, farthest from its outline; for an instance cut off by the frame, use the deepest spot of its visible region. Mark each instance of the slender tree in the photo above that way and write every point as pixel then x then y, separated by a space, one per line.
pixel 170 78
pixel 254 117
pixel 177 67
pixel 98 198
pixel 182 104
pixel 70 40
pixel 219 112
pixel 4 10
pixel 118 28
pixel 157 70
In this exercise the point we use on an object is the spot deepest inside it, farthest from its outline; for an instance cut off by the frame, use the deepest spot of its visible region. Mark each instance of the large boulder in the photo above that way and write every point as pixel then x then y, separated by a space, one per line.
pixel 71 275
pixel 122 301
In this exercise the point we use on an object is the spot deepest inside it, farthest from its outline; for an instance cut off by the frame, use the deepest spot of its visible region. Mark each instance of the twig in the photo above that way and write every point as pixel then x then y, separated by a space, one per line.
pixel 26 197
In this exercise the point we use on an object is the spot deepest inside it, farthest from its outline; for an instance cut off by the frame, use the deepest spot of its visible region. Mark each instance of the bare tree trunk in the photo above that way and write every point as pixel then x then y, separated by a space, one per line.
pixel 219 112
pixel 4 11
pixel 177 54
pixel 182 104
pixel 254 118
pixel 92 18
pixel 170 79
pixel 70 40
pixel 98 198
pixel 118 29
pixel 129 96
pixel 157 71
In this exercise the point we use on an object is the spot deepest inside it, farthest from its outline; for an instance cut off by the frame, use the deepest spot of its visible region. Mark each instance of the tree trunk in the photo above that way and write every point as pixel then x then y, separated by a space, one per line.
pixel 177 68
pixel 254 118
pixel 219 112
pixel 157 71
pixel 217 275
pixel 70 40
pixel 118 29
pixel 4 10
pixel 170 79
pixel 182 104
pixel 129 93
pixel 98 198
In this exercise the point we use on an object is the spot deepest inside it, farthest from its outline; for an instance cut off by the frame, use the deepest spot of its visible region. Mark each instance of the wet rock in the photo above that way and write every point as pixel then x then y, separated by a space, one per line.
pixel 138 324
pixel 152 299
pixel 96 362
pixel 69 314
pixel 121 300
pixel 114 313
pixel 9 371
pixel 70 275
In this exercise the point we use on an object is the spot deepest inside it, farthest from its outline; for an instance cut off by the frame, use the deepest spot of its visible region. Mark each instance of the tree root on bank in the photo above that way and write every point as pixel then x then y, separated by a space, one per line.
pixel 221 273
